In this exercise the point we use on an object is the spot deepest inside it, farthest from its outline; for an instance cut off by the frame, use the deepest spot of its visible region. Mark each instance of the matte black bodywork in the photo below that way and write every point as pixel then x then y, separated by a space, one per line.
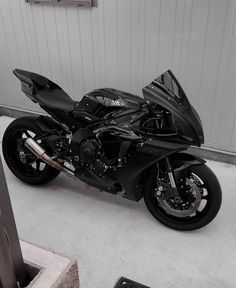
pixel 167 92
pixel 120 113
pixel 149 153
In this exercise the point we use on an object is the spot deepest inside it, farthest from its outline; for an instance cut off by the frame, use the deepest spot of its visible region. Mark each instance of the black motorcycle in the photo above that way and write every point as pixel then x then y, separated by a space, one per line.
pixel 119 143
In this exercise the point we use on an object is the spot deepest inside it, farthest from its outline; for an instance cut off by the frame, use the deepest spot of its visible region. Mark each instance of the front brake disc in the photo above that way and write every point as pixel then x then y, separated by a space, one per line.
pixel 184 212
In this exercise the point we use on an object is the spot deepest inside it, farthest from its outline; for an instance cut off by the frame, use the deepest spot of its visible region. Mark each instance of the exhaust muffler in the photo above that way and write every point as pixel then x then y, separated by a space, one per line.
pixel 40 153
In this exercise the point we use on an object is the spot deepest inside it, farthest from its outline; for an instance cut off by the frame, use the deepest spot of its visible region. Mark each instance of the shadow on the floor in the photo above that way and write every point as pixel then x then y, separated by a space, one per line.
pixel 72 185
pixel 75 186
pixel 65 185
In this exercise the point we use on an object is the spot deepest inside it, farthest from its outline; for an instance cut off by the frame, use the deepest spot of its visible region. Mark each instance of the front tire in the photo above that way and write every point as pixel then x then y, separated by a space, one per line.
pixel 212 195
pixel 28 169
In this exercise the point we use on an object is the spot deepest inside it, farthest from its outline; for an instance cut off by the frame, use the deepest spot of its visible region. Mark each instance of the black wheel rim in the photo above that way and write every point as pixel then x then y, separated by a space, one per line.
pixel 200 212
pixel 21 159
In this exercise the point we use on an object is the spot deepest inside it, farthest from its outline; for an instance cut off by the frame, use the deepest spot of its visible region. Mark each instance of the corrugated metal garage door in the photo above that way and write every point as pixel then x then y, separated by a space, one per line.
pixel 125 44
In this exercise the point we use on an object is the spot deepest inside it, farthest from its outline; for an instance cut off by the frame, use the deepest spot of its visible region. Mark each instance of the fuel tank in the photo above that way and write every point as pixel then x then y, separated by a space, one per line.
pixel 103 101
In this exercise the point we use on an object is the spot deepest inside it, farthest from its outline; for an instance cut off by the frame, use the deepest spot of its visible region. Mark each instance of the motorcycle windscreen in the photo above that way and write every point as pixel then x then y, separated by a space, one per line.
pixel 169 88
pixel 166 92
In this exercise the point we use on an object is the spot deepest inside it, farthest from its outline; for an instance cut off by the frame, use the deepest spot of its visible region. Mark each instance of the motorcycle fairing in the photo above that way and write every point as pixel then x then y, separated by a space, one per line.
pixel 166 91
pixel 131 176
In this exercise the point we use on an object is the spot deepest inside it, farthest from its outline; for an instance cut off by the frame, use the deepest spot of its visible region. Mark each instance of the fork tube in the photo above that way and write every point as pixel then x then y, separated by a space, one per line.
pixel 174 189
pixel 170 173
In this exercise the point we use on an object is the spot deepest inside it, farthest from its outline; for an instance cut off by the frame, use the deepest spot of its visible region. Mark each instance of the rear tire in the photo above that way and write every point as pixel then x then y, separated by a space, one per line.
pixel 189 223
pixel 10 146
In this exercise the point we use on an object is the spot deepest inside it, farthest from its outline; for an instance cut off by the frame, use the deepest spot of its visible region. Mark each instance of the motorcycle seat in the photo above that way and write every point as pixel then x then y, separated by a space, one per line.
pixel 55 99
pixel 45 92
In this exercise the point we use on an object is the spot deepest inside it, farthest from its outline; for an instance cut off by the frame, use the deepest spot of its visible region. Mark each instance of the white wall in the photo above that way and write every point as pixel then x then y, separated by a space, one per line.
pixel 125 44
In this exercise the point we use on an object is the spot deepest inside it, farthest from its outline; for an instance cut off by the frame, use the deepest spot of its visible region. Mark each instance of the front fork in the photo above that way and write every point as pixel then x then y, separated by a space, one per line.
pixel 174 190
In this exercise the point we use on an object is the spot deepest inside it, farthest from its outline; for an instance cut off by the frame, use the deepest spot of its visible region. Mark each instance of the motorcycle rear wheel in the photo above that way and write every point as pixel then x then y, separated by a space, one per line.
pixel 212 196
pixel 22 163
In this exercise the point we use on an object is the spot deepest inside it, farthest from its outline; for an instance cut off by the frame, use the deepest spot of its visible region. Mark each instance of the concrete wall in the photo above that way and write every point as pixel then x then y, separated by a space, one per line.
pixel 125 44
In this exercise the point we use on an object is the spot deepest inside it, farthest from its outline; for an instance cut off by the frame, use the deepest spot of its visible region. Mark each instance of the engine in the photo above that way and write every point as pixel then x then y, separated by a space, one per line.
pixel 101 152
pixel 89 151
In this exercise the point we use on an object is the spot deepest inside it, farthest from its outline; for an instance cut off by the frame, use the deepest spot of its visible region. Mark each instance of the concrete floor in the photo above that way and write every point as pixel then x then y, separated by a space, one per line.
pixel 111 236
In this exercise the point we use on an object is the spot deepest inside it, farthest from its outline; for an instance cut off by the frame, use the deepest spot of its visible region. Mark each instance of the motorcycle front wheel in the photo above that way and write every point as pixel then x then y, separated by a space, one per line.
pixel 201 186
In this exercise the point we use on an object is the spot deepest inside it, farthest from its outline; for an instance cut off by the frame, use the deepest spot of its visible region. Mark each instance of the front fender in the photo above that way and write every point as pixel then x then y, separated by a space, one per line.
pixel 181 161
